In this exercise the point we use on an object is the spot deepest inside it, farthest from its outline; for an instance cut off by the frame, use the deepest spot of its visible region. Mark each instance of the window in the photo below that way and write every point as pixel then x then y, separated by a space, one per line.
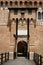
pixel 11 3
pixel 25 3
pixel 16 3
pixel 21 3
pixel 30 3
pixel 35 3
pixel 1 3
pixel 22 11
pixel 29 11
pixel 39 15
pixel 40 3
pixel 15 12
pixel 42 15
pixel 6 3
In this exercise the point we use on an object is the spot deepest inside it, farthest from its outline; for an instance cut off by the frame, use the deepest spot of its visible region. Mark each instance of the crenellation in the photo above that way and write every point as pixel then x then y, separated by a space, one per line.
pixel 24 3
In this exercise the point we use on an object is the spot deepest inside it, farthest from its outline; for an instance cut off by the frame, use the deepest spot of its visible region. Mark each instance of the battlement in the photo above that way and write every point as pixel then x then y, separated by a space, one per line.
pixel 21 4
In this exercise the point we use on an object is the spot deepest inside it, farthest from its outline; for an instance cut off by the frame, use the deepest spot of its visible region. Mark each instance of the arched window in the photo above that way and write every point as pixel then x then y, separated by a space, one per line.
pixel 21 2
pixel 6 3
pixel 35 3
pixel 16 3
pixel 39 15
pixel 1 3
pixel 30 3
pixel 11 3
pixel 42 15
pixel 40 3
pixel 25 3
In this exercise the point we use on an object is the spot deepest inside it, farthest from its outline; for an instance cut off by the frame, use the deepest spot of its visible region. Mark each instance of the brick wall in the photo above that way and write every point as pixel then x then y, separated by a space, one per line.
pixel 7 41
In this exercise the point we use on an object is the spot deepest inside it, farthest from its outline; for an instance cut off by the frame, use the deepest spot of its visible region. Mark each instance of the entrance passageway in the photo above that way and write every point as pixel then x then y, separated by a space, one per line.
pixel 20 61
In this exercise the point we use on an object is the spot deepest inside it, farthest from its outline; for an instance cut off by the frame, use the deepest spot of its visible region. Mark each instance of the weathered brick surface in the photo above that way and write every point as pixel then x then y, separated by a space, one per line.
pixel 7 41
pixel 4 38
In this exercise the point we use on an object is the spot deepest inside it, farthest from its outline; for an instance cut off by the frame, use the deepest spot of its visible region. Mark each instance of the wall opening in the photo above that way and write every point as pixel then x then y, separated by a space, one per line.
pixel 22 49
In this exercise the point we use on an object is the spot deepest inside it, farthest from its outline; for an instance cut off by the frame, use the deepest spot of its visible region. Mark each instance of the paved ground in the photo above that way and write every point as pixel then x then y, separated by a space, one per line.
pixel 19 61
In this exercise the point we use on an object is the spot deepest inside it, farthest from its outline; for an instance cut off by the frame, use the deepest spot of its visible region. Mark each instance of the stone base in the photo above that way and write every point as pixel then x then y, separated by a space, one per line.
pixel 14 55
pixel 10 55
pixel 31 55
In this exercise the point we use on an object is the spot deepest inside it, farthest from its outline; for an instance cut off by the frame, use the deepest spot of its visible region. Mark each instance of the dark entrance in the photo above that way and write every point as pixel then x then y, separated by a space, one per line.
pixel 22 49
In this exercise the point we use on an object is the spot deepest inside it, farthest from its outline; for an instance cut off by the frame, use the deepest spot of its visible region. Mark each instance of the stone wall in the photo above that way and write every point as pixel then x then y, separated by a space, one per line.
pixel 7 41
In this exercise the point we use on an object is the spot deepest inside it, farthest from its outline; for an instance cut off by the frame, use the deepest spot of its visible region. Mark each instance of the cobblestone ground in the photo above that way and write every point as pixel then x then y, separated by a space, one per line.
pixel 20 61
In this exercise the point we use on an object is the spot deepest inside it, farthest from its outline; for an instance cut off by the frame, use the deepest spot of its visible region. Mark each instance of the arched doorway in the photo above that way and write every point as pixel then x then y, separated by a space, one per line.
pixel 22 49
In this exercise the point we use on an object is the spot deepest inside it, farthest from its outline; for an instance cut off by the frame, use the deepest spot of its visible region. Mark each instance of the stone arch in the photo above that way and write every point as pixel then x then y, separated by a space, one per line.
pixel 35 3
pixel 22 48
pixel 16 2
pixel 6 3
pixel 13 19
pixel 24 20
pixel 28 19
pixel 21 3
pixel 11 3
pixel 30 3
pixel 32 20
pixel 39 15
pixel 40 3
pixel 1 3
pixel 42 15
pixel 20 20
pixel 25 3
